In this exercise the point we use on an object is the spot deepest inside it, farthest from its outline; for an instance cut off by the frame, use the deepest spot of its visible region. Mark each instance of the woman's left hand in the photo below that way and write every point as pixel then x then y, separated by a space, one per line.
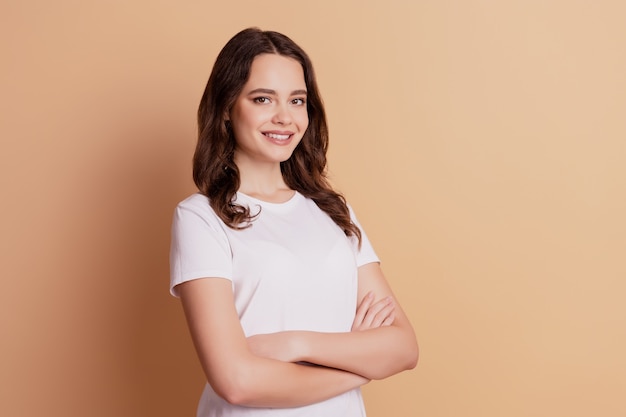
pixel 371 315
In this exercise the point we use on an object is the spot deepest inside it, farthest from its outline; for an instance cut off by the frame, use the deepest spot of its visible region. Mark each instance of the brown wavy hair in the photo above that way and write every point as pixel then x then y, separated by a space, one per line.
pixel 214 171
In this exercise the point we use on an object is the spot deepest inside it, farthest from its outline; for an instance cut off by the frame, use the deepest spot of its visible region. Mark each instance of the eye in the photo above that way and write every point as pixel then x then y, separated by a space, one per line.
pixel 298 101
pixel 261 100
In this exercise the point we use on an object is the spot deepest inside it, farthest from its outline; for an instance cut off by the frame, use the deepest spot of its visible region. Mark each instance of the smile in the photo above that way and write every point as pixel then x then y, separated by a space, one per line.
pixel 277 136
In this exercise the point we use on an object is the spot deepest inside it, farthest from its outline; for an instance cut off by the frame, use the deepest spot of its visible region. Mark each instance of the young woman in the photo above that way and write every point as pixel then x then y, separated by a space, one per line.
pixel 283 294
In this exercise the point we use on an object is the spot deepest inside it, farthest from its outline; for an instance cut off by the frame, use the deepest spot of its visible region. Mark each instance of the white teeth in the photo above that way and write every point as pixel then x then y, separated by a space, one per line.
pixel 278 137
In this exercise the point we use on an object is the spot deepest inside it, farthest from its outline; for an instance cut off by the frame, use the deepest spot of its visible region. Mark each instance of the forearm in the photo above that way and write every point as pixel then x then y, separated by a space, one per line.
pixel 374 354
pixel 239 375
pixel 270 383
pixel 372 349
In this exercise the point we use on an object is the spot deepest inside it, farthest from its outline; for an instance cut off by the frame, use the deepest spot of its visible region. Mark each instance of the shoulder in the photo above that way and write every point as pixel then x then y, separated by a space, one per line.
pixel 197 207
pixel 195 201
pixel 353 216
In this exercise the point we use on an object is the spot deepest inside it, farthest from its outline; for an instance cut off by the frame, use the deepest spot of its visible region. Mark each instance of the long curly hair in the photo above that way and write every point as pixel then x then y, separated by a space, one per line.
pixel 214 171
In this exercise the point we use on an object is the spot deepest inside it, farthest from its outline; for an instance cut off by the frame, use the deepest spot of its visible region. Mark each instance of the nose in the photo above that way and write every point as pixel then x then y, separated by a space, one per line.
pixel 282 116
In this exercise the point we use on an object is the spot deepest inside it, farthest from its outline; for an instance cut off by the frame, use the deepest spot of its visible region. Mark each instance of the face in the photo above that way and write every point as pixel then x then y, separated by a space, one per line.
pixel 270 116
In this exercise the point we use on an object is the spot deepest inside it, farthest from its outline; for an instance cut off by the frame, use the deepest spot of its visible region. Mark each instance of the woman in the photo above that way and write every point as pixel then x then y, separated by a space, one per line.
pixel 283 294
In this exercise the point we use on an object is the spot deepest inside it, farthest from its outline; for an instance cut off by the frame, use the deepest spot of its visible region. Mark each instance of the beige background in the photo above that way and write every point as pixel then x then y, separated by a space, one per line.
pixel 482 144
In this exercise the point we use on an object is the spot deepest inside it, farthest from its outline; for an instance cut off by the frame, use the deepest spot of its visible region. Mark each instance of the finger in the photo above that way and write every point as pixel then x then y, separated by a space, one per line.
pixel 389 320
pixel 370 316
pixel 362 310
pixel 382 315
pixel 365 304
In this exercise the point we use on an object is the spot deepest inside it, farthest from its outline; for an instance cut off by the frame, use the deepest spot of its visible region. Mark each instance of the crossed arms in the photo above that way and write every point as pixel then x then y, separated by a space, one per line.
pixel 381 343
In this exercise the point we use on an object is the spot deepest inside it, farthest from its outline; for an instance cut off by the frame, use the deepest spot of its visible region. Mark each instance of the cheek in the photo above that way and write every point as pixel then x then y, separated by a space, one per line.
pixel 243 122
pixel 303 121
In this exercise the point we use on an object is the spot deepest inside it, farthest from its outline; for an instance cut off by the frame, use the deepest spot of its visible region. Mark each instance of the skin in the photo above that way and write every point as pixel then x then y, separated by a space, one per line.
pixel 272 103
pixel 269 118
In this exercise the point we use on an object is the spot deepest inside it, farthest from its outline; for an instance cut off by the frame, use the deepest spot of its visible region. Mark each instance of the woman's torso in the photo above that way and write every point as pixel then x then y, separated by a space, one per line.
pixel 293 269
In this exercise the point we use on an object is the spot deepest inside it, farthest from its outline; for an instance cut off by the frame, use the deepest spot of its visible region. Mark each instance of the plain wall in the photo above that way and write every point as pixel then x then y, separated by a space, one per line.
pixel 481 143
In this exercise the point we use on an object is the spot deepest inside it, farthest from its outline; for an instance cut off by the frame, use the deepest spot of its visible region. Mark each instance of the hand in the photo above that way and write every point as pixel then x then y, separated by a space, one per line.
pixel 371 315
pixel 280 346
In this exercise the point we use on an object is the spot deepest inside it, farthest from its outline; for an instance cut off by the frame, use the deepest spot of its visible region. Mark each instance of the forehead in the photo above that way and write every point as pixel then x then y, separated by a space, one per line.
pixel 276 72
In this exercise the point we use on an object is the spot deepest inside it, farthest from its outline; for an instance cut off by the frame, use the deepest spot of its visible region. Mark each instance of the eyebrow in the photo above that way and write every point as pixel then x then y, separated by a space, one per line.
pixel 273 92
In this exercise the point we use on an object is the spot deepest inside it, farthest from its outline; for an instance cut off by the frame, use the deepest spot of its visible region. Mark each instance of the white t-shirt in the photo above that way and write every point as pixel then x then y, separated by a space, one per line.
pixel 293 269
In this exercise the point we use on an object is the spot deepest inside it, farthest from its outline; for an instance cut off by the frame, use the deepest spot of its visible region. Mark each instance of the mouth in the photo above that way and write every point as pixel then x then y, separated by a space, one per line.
pixel 278 136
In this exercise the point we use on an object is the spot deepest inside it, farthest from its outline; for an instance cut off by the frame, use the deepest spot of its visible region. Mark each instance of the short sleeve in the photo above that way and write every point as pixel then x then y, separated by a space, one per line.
pixel 365 254
pixel 199 247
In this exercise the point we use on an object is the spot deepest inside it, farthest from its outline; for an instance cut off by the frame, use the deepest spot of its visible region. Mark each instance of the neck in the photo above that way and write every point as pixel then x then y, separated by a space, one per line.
pixel 263 181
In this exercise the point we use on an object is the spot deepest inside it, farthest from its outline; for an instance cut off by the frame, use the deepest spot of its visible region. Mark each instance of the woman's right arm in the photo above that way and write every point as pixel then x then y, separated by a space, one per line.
pixel 233 371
